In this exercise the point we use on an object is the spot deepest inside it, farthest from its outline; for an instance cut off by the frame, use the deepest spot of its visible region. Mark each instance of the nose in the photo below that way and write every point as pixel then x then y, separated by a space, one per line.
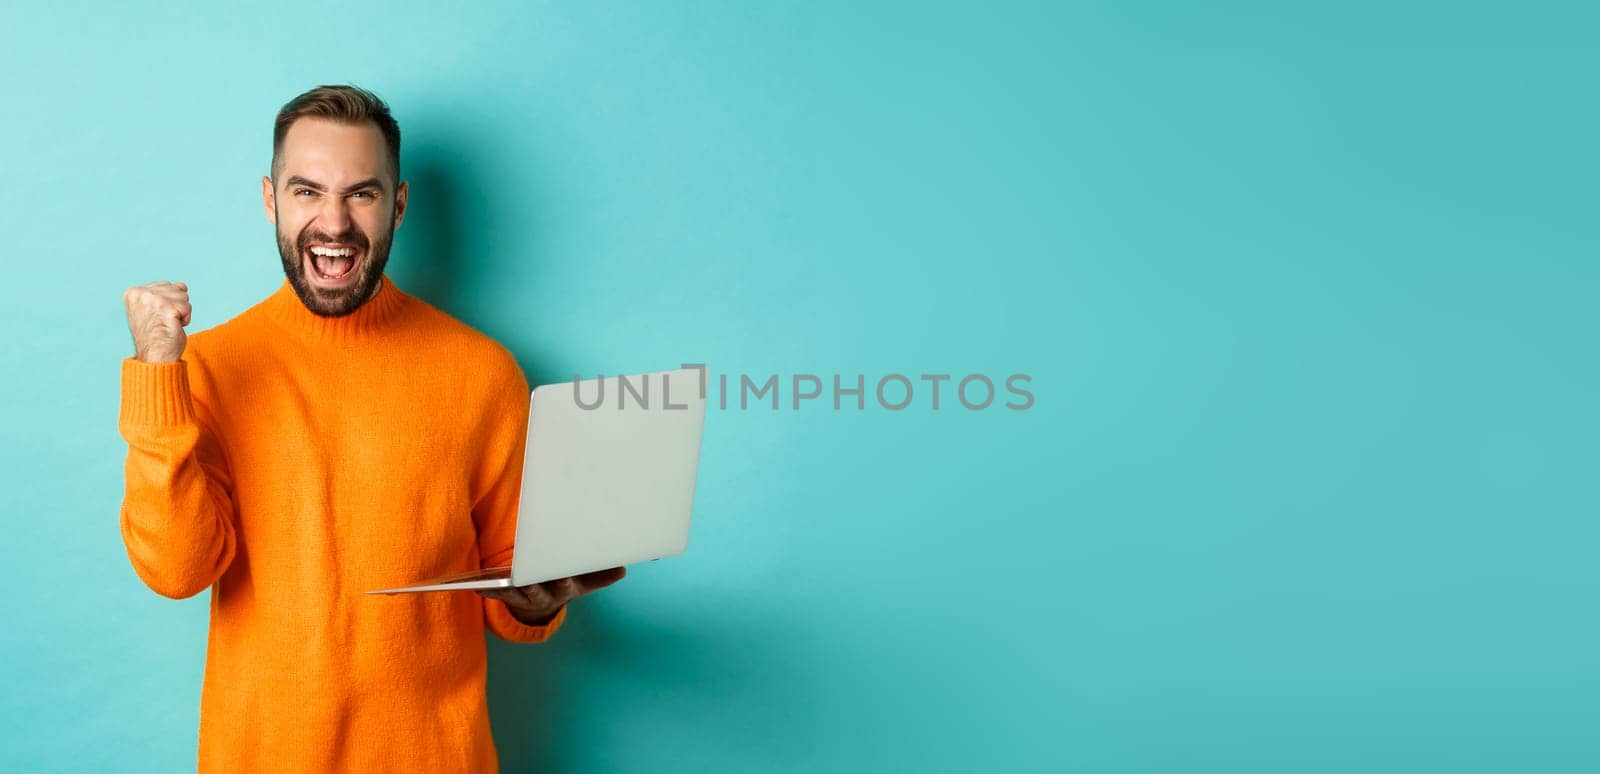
pixel 334 216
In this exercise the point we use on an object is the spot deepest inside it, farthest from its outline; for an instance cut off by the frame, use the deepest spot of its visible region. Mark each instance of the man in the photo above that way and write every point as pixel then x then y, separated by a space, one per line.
pixel 339 436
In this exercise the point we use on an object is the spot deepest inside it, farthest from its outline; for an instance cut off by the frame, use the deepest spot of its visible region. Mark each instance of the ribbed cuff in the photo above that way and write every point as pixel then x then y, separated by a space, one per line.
pixel 155 393
pixel 506 625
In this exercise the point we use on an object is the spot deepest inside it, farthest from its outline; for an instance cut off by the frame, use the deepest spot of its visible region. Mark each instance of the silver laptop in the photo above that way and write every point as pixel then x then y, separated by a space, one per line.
pixel 607 481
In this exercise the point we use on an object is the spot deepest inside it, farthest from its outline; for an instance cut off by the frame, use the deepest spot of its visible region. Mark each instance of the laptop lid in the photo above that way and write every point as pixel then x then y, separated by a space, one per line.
pixel 609 474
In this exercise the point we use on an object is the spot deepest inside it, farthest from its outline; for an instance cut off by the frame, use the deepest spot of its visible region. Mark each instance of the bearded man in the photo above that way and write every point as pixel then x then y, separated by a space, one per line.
pixel 338 436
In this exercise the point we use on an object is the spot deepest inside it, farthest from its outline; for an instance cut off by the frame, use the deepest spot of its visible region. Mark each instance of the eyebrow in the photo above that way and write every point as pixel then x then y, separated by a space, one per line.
pixel 371 182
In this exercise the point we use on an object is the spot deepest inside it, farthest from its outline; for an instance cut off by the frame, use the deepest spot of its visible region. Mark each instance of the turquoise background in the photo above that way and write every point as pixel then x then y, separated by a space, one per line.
pixel 1307 293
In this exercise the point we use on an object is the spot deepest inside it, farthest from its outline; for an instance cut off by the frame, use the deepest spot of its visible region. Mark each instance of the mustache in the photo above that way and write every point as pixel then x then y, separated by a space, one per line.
pixel 351 237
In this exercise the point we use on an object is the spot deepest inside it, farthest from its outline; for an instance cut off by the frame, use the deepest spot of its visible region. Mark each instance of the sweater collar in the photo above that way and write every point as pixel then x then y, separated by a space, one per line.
pixel 368 320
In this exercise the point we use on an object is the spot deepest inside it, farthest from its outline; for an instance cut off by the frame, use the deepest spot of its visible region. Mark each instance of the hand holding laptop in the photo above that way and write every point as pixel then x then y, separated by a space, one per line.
pixel 537 603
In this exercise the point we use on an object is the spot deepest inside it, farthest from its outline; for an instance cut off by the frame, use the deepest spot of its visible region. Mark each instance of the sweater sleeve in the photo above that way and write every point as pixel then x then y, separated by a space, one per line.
pixel 495 511
pixel 177 507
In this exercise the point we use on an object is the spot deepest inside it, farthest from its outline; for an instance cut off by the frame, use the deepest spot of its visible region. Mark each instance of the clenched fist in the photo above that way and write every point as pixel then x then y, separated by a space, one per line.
pixel 157 313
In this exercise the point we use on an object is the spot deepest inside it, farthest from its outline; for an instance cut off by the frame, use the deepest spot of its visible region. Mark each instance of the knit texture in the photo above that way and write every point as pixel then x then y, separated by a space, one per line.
pixel 290 462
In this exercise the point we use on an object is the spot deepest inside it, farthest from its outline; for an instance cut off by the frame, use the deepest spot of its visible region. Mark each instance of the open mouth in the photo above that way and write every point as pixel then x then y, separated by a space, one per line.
pixel 332 264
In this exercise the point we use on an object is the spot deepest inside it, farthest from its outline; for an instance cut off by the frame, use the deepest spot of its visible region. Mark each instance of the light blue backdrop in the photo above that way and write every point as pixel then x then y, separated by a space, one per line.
pixel 1307 296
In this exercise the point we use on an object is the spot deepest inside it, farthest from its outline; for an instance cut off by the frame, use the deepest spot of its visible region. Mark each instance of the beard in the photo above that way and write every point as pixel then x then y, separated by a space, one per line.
pixel 335 302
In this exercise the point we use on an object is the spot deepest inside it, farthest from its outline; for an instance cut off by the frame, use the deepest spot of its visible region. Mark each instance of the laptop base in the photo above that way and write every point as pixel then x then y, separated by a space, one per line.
pixel 489 578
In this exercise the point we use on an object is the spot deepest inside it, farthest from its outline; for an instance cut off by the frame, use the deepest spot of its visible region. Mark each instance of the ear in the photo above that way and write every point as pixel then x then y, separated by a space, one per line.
pixel 268 200
pixel 400 203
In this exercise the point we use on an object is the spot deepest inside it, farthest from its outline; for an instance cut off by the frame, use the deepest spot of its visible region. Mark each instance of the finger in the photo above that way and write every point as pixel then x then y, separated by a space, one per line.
pixel 170 293
pixel 512 597
pixel 156 302
pixel 508 596
pixel 536 596
pixel 564 590
pixel 174 311
pixel 599 579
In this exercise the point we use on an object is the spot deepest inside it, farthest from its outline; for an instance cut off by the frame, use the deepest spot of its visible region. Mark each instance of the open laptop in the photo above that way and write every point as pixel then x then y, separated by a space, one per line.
pixel 607 480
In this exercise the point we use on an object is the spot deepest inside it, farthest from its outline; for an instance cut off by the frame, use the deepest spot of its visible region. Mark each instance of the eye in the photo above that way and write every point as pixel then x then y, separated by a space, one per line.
pixel 367 194
pixel 299 191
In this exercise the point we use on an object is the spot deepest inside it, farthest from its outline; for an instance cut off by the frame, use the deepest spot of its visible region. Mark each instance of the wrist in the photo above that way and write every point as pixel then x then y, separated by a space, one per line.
pixel 156 359
pixel 533 617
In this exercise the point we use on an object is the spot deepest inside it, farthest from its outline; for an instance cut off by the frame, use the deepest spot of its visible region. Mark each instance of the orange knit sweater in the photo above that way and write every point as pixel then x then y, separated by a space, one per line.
pixel 291 462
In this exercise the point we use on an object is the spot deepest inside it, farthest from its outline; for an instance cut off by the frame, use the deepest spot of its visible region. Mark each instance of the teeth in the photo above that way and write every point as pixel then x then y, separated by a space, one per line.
pixel 342 252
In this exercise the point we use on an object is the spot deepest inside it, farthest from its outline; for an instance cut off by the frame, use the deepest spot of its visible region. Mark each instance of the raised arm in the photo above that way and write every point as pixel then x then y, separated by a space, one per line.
pixel 177 508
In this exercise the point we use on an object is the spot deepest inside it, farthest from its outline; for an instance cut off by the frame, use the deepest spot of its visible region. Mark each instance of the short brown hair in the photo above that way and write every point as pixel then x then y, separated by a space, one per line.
pixel 345 104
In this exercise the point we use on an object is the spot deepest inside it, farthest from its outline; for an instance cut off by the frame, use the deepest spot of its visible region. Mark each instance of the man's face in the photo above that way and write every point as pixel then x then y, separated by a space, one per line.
pixel 335 205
